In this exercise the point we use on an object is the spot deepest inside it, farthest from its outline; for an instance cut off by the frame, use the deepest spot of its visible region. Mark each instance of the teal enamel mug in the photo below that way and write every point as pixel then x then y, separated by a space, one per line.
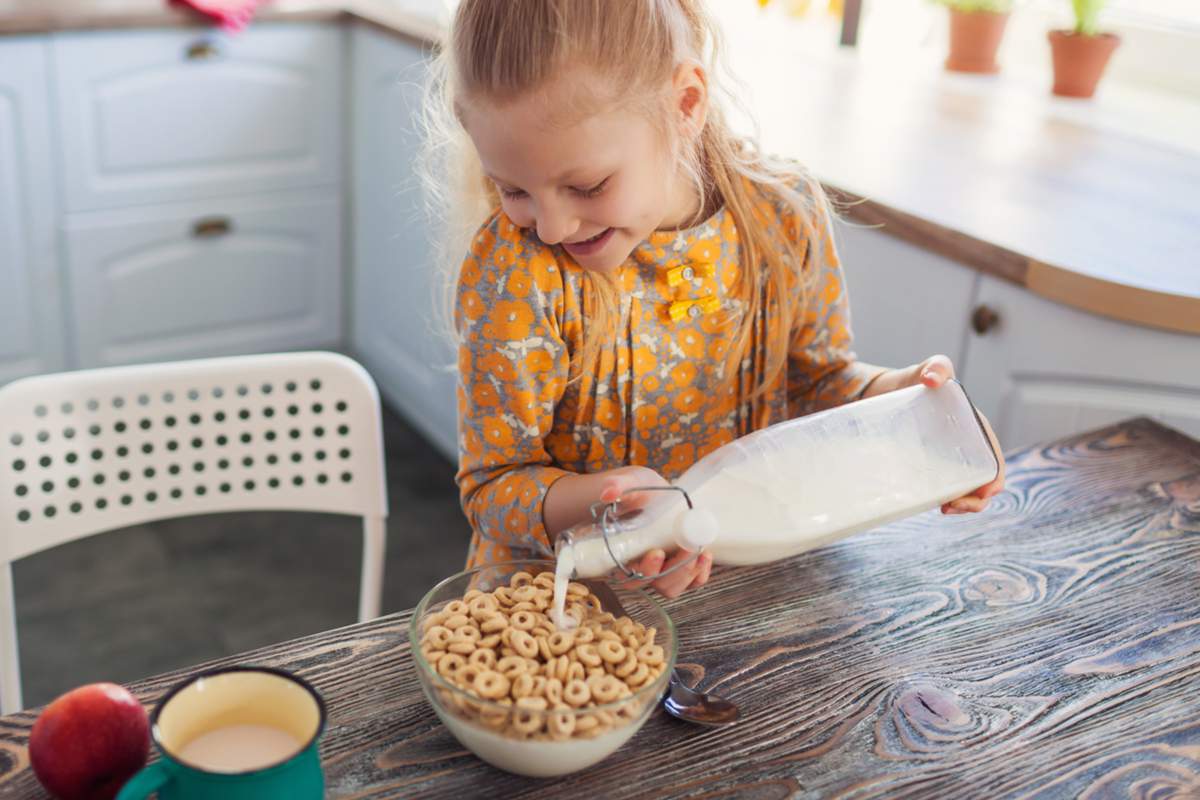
pixel 235 733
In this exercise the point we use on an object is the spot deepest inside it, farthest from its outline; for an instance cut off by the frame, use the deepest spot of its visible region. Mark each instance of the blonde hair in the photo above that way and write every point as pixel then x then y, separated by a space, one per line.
pixel 501 49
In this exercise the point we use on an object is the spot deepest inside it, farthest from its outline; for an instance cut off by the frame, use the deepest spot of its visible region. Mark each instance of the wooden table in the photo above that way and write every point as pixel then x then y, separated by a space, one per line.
pixel 1049 647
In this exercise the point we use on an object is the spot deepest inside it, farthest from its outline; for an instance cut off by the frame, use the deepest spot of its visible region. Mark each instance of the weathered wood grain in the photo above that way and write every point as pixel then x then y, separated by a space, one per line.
pixel 1049 647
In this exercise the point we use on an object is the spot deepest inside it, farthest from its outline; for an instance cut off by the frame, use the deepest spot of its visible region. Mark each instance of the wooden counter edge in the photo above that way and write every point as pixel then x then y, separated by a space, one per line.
pixel 1119 301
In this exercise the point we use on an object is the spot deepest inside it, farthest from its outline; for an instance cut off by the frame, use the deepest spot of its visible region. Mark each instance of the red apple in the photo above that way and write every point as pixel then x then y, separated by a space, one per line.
pixel 89 742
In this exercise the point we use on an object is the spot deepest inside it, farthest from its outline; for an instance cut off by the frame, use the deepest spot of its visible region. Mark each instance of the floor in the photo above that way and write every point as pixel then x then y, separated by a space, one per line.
pixel 139 601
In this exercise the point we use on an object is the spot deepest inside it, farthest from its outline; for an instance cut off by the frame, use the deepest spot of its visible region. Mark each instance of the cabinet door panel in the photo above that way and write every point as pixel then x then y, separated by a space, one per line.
pixel 1047 370
pixel 146 120
pixel 905 303
pixel 31 338
pixel 206 279
pixel 397 332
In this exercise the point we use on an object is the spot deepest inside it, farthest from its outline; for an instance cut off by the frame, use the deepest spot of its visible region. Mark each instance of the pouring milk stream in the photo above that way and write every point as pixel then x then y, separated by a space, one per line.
pixel 800 484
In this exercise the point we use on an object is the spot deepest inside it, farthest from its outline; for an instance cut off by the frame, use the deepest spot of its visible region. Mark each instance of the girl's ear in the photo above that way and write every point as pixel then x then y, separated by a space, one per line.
pixel 690 85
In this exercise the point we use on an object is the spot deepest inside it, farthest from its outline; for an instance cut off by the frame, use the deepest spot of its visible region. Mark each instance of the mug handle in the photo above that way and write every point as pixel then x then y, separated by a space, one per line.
pixel 150 779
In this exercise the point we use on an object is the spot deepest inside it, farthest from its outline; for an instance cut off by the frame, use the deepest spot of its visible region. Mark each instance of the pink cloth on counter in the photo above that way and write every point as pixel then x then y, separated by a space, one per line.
pixel 232 15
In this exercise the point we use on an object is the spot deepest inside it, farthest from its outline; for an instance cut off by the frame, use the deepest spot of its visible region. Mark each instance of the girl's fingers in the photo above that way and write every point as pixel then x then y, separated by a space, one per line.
pixel 649 564
pixel 936 370
pixel 673 585
pixel 703 571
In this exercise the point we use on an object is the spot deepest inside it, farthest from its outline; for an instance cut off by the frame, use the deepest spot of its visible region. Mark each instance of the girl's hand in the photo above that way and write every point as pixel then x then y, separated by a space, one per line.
pixel 693 576
pixel 933 372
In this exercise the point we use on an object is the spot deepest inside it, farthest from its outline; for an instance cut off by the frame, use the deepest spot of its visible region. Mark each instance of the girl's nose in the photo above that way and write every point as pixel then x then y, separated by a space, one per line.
pixel 555 224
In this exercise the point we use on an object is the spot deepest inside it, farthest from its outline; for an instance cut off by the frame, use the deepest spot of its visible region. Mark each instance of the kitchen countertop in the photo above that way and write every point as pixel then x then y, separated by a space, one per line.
pixel 995 175
pixel 1047 647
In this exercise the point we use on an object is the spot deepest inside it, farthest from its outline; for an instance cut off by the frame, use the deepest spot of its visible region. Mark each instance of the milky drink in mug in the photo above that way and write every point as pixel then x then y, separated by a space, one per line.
pixel 238 733
pixel 804 483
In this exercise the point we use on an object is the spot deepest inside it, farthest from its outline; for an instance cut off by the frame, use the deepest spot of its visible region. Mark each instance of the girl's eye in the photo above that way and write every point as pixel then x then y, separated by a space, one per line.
pixel 595 190
pixel 511 194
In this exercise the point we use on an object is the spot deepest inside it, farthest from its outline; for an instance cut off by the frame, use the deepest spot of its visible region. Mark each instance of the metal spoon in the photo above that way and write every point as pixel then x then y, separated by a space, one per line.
pixel 682 701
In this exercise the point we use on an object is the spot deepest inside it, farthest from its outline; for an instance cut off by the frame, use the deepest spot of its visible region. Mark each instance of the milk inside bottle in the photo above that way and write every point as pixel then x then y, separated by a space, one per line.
pixel 803 483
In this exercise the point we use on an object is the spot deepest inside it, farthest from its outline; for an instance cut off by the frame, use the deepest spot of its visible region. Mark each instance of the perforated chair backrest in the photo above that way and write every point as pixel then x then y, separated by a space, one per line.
pixel 91 451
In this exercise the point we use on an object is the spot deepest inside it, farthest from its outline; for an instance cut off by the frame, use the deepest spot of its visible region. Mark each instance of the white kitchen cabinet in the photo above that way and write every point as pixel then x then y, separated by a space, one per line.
pixel 170 115
pixel 396 331
pixel 31 324
pixel 906 303
pixel 206 278
pixel 1045 370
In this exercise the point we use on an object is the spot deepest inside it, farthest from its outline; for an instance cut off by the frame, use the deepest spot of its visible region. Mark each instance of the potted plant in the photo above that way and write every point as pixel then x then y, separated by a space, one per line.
pixel 976 27
pixel 1080 55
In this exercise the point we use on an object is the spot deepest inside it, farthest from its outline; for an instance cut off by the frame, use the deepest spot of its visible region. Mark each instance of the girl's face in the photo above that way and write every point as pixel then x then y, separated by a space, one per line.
pixel 597 185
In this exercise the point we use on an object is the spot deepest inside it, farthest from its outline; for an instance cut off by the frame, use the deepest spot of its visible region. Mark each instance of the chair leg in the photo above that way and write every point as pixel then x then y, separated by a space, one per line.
pixel 10 662
pixel 370 595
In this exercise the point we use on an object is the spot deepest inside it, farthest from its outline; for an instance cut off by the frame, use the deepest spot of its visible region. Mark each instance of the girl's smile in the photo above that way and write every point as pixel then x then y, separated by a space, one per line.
pixel 588 247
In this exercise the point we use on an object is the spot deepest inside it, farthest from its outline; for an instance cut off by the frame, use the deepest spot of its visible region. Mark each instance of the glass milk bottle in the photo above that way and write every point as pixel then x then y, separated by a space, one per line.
pixel 801 484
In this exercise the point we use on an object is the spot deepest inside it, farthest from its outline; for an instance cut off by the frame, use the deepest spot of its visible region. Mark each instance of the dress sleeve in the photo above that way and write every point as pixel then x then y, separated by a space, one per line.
pixel 512 367
pixel 823 371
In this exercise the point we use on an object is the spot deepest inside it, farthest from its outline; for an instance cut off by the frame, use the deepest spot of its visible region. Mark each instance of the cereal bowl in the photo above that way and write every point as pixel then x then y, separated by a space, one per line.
pixel 542 702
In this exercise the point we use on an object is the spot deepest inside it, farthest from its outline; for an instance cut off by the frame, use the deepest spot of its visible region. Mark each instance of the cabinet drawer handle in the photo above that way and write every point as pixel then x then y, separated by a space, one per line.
pixel 210 227
pixel 202 50
pixel 984 319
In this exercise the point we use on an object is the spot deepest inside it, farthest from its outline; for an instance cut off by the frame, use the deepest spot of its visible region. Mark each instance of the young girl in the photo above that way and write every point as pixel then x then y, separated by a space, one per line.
pixel 645 285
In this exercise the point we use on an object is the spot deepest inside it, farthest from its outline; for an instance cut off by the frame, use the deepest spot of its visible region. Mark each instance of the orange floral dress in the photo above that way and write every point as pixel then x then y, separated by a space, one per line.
pixel 658 395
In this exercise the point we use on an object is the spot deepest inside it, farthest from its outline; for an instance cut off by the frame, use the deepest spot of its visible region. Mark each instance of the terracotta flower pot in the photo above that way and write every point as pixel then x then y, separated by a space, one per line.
pixel 974 38
pixel 1079 61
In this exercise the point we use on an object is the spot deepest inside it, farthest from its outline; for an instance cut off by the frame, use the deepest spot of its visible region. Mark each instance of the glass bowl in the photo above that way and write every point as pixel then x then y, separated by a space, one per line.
pixel 559 740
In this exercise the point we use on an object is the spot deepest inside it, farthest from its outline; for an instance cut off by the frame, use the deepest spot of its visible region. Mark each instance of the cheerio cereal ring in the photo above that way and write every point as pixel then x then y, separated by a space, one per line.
pixel 650 654
pixel 483 658
pixel 511 666
pixel 595 673
pixel 576 671
pixel 626 667
pixel 524 594
pixel 561 642
pixel 463 647
pixel 583 635
pixel 490 685
pixel 523 620
pixel 584 723
pixel 494 718
pixel 436 618
pixel 576 693
pixel 450 664
pixel 532 702
pixel 469 632
pixel 524 644
pixel 457 621
pixel 588 655
pixel 520 579
pixel 648 636
pixel 612 652
pixel 522 686
pixel 526 721
pixel 607 689
pixel 562 668
pixel 639 676
pixel 503 596
pixel 467 674
pixel 494 624
pixel 438 636
pixel 576 589
pixel 491 642
pixel 456 607
pixel 609 636
pixel 554 692
pixel 543 643
pixel 526 605
pixel 560 725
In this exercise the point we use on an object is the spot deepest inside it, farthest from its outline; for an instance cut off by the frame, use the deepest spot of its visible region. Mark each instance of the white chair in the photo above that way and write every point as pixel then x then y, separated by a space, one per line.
pixel 90 451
